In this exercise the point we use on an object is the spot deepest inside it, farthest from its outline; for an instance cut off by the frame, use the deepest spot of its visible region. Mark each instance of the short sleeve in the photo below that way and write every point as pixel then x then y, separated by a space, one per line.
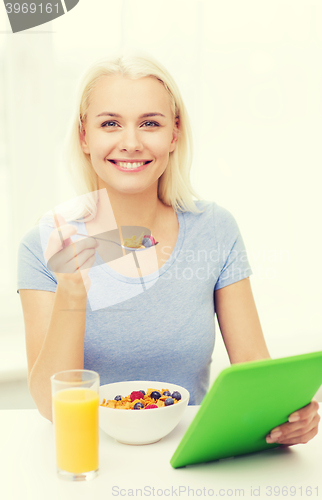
pixel 33 273
pixel 231 249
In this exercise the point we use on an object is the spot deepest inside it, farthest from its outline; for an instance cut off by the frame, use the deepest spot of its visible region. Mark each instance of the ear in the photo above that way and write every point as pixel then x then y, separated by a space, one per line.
pixel 175 135
pixel 82 139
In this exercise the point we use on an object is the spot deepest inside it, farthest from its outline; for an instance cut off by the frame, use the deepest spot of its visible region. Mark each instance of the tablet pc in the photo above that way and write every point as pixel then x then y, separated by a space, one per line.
pixel 245 402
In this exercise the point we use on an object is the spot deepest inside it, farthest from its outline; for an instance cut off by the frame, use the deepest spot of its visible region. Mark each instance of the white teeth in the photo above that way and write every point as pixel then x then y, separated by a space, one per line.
pixel 130 165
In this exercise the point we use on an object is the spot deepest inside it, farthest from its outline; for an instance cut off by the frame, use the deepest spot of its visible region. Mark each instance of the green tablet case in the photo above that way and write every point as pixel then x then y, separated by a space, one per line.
pixel 245 402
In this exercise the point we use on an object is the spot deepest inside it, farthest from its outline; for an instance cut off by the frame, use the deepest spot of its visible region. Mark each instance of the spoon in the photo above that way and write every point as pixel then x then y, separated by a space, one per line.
pixel 118 244
pixel 96 238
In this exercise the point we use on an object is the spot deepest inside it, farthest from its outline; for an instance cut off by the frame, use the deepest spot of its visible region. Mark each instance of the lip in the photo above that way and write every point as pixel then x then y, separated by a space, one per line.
pixel 125 160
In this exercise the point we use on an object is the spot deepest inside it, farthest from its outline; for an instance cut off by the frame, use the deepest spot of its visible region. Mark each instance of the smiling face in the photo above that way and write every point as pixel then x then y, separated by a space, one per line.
pixel 129 132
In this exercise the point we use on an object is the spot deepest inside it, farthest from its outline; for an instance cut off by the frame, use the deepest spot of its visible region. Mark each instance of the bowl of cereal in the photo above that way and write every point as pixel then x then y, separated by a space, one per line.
pixel 141 412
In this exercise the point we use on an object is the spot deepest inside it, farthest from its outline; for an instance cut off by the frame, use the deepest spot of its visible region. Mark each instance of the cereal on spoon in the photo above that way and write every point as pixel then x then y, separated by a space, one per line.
pixel 143 241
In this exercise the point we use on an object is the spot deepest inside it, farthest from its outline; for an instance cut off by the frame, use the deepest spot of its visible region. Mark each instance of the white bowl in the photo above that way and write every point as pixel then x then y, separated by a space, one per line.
pixel 140 426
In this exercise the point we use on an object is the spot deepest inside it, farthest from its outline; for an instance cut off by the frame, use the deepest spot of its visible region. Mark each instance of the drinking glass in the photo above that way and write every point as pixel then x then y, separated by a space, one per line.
pixel 75 398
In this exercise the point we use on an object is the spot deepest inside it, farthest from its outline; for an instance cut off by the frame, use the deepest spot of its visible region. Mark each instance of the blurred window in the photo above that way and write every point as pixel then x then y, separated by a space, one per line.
pixel 6 268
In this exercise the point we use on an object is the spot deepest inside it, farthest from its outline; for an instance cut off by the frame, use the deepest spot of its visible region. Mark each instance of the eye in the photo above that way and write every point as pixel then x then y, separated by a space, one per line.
pixel 150 124
pixel 109 124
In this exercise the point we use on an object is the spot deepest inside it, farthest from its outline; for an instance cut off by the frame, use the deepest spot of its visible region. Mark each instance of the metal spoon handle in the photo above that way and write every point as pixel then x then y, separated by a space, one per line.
pixel 102 239
pixel 111 241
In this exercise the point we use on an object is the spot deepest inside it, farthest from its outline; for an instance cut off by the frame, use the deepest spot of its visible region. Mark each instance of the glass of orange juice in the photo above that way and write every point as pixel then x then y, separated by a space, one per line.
pixel 75 398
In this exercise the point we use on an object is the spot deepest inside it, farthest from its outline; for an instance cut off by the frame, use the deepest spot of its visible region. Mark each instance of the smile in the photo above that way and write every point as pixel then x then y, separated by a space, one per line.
pixel 130 165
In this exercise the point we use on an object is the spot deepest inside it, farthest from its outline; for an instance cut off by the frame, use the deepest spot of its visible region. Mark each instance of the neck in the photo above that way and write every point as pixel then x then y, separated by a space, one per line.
pixel 139 209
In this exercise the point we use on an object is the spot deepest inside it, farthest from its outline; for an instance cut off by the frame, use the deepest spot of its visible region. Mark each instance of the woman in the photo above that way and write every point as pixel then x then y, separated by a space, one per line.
pixel 131 148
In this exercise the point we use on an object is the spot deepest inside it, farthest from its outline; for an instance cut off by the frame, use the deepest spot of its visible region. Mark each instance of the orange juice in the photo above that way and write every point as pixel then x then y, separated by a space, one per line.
pixel 76 429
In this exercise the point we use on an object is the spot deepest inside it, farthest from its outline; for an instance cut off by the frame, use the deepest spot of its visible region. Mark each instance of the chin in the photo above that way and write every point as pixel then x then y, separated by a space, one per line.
pixel 129 189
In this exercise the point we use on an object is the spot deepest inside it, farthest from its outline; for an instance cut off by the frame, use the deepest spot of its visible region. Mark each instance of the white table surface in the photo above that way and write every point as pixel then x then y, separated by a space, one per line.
pixel 28 469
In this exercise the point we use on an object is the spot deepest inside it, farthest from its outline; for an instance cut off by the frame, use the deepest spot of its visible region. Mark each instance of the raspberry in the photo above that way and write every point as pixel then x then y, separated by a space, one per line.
pixel 150 406
pixel 136 395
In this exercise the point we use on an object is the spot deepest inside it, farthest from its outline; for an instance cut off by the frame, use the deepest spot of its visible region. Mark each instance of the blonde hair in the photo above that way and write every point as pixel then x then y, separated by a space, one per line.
pixel 174 188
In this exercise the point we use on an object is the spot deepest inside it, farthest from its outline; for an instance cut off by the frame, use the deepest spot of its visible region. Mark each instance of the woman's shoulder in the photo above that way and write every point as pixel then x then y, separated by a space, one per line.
pixel 31 239
pixel 31 250
pixel 211 210
pixel 215 223
pixel 33 272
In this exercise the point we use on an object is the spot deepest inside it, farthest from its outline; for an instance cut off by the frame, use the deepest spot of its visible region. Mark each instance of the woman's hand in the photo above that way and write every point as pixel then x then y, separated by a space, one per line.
pixel 244 341
pixel 70 261
pixel 302 426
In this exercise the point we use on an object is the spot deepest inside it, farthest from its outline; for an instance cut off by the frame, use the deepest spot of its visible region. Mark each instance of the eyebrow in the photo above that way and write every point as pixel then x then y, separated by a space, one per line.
pixel 145 115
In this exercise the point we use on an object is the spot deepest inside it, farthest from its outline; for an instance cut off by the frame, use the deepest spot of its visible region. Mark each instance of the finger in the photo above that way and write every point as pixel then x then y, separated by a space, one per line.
pixel 62 235
pixel 70 259
pixel 87 264
pixel 57 264
pixel 60 221
pixel 76 248
pixel 84 244
pixel 305 412
pixel 54 242
pixel 296 430
pixel 289 427
pixel 301 439
pixel 55 239
pixel 83 258
pixel 63 256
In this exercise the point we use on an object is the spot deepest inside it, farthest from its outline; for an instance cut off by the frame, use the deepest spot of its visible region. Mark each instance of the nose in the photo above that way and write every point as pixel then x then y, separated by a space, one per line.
pixel 130 140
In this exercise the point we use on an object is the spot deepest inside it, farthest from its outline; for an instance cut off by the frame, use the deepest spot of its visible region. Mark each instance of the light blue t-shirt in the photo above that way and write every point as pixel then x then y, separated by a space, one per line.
pixel 162 329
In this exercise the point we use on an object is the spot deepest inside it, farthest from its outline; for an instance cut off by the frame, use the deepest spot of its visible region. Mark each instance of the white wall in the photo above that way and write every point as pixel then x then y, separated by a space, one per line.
pixel 250 73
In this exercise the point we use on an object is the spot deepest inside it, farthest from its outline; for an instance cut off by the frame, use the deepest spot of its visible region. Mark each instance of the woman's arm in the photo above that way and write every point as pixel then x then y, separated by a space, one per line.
pixel 239 323
pixel 54 329
pixel 55 321
pixel 243 337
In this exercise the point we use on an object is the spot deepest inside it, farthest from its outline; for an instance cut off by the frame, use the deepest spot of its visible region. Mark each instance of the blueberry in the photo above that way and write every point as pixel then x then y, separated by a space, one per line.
pixel 118 398
pixel 138 405
pixel 176 395
pixel 168 402
pixel 166 393
pixel 143 392
pixel 155 395
pixel 146 242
